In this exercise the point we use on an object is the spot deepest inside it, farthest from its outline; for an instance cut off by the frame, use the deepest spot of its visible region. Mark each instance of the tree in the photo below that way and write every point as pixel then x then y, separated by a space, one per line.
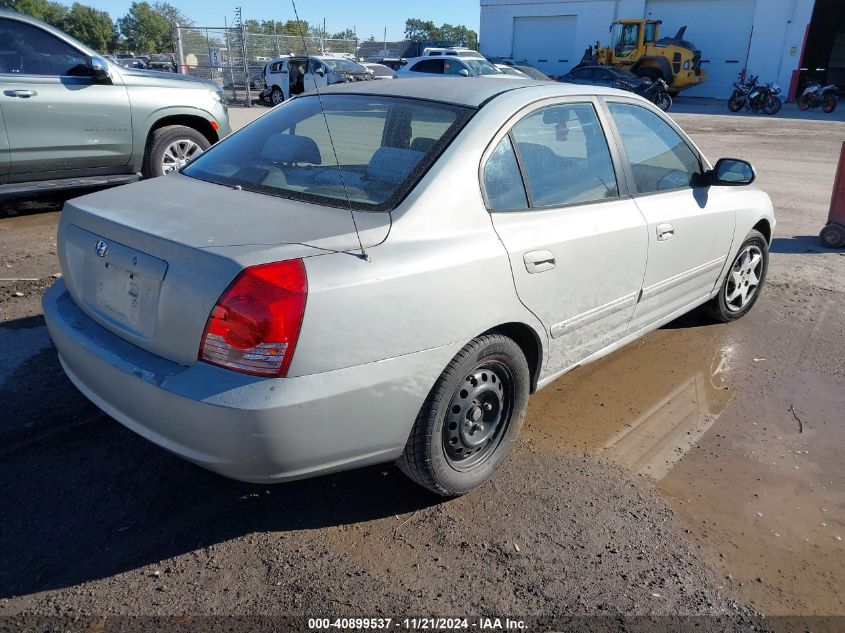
pixel 145 30
pixel 50 12
pixel 90 26
pixel 347 34
pixel 172 14
pixel 416 29
pixel 460 33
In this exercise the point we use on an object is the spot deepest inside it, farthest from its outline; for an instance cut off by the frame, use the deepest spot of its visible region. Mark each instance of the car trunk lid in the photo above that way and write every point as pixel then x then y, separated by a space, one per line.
pixel 148 261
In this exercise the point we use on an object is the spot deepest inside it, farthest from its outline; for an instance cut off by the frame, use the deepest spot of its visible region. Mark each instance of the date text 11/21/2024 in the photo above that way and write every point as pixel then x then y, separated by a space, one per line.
pixel 416 624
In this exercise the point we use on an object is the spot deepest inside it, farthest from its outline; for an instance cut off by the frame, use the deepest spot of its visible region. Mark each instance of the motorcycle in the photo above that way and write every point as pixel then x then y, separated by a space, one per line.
pixel 754 96
pixel 658 94
pixel 815 95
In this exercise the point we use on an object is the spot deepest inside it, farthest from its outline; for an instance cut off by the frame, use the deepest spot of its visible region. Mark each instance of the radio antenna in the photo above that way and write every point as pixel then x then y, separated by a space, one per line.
pixel 363 254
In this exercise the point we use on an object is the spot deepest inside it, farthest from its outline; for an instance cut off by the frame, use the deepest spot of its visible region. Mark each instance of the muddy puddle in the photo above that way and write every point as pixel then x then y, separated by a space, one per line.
pixel 742 428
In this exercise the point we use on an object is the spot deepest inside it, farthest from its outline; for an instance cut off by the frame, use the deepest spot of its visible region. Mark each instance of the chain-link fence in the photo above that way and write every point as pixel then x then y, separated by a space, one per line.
pixel 235 58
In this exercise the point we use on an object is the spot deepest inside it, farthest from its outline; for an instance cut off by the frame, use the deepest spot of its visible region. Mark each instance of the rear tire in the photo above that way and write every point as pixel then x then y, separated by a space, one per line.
pixel 470 419
pixel 833 236
pixel 170 147
pixel 744 281
pixel 829 103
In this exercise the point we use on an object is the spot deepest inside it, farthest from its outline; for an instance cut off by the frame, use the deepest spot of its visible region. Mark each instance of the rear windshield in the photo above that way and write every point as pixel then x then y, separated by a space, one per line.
pixel 382 147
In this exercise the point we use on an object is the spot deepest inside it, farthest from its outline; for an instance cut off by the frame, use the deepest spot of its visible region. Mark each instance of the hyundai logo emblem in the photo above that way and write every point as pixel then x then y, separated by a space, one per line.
pixel 102 248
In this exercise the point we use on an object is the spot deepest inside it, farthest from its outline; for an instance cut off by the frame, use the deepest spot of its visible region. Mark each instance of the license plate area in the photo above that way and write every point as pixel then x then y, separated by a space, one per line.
pixel 127 296
pixel 114 282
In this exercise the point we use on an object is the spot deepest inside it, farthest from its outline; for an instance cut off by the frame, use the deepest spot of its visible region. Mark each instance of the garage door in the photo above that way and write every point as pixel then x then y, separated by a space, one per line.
pixel 721 29
pixel 547 42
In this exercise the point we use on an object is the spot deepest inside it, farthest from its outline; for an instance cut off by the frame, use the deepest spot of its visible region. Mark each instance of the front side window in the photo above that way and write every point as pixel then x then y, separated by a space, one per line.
pixel 564 155
pixel 502 180
pixel 373 150
pixel 27 50
pixel 482 67
pixel 434 66
pixel 659 157
pixel 452 67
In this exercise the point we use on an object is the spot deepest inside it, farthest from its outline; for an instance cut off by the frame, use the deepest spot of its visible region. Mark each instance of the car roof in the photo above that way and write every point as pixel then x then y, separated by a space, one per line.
pixel 472 92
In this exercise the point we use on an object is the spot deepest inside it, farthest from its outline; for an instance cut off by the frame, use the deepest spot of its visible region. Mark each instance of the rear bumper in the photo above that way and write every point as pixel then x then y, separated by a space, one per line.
pixel 244 427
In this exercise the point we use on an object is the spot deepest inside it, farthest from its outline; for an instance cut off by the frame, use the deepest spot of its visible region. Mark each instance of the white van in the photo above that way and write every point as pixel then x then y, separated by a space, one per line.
pixel 290 75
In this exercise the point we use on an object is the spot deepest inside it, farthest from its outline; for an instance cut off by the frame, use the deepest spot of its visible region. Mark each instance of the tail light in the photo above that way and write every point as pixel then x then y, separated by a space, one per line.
pixel 255 324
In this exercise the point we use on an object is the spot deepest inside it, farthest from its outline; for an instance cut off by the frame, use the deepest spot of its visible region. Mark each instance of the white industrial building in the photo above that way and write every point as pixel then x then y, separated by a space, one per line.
pixel 771 38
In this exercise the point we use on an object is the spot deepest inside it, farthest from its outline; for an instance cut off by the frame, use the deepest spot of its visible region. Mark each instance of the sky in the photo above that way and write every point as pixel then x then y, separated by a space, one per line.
pixel 369 17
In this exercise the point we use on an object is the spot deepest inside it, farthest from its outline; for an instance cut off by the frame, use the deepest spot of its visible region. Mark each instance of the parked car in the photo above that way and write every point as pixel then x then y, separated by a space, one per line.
pixel 456 51
pixel 294 303
pixel 394 63
pixel 511 70
pixel 286 76
pixel 73 119
pixel 533 73
pixel 163 62
pixel 449 66
pixel 132 62
pixel 379 71
pixel 606 76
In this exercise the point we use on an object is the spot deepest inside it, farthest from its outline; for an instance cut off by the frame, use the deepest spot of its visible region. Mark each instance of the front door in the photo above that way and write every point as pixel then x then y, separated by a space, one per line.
pixel 317 74
pixel 4 149
pixel 57 117
pixel 690 226
pixel 577 246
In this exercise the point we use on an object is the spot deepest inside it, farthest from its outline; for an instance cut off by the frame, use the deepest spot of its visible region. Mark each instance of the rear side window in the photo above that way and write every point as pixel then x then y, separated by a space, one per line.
pixel 502 180
pixel 659 157
pixel 564 156
pixel 27 50
pixel 369 149
pixel 428 66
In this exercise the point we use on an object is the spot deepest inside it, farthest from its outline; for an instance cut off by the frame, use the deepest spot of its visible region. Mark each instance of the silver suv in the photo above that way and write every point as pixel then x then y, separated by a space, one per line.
pixel 71 119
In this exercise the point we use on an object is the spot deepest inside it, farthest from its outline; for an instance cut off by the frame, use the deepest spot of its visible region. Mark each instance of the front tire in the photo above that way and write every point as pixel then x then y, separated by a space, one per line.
pixel 663 101
pixel 276 96
pixel 470 419
pixel 744 281
pixel 772 105
pixel 170 148
pixel 803 102
pixel 829 103
pixel 735 103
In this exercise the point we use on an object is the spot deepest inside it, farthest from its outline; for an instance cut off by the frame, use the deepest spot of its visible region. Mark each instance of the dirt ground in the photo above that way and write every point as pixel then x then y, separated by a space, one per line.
pixel 697 471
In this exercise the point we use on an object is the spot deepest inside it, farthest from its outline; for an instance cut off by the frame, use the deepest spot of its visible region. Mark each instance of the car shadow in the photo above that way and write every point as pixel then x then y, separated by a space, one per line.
pixel 83 498
pixel 800 244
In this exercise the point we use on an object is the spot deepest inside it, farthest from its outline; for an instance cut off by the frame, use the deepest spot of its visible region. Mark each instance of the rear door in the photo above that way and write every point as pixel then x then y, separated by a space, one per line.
pixel 57 118
pixel 577 244
pixel 690 226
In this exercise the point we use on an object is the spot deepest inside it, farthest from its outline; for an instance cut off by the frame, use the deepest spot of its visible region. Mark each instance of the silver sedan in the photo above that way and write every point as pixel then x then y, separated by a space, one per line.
pixel 386 272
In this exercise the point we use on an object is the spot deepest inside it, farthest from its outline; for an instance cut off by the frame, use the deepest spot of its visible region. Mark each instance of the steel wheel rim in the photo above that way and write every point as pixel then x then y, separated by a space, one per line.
pixel 178 153
pixel 744 278
pixel 478 416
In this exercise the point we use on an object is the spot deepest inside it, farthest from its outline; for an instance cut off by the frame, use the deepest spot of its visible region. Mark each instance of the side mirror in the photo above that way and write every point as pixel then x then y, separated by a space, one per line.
pixel 321 71
pixel 463 72
pixel 733 172
pixel 100 70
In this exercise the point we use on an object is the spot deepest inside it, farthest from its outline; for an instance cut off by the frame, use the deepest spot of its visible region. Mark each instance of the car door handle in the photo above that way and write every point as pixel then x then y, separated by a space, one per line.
pixel 665 232
pixel 23 94
pixel 538 261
